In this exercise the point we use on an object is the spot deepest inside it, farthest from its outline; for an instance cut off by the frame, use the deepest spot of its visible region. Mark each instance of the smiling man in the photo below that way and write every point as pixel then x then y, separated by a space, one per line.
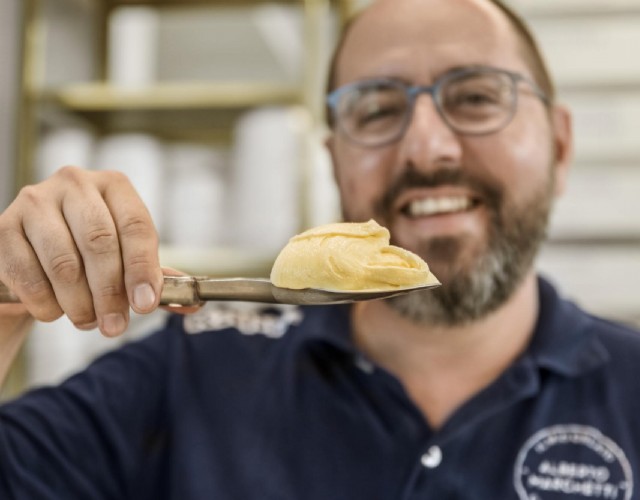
pixel 444 129
pixel 443 134
pixel 461 149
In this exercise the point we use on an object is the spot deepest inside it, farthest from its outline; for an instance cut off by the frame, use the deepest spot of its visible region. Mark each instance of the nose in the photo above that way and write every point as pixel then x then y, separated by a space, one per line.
pixel 429 143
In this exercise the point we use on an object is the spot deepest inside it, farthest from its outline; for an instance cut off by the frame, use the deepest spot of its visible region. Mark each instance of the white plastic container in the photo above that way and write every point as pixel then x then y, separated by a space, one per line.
pixel 195 213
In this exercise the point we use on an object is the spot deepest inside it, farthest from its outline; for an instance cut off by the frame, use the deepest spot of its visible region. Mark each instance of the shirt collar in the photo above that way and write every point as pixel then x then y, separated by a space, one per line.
pixel 564 339
pixel 328 324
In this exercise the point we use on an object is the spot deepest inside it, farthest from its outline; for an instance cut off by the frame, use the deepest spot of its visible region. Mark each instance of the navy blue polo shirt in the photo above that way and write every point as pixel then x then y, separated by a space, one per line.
pixel 249 402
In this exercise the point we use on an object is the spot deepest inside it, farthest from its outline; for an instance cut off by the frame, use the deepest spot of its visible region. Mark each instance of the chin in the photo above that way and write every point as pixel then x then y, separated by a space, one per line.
pixel 470 290
pixel 448 256
pixel 477 277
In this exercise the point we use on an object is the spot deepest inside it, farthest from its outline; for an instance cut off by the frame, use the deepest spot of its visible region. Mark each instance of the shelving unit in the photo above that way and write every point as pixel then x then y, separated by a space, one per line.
pixel 197 110
pixel 185 109
pixel 594 259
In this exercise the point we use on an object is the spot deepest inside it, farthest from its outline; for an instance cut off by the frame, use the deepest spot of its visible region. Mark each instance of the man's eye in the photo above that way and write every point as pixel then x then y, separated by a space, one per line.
pixel 378 114
pixel 473 99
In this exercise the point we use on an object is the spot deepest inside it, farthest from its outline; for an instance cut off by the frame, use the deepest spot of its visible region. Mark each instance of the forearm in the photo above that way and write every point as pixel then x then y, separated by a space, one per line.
pixel 13 331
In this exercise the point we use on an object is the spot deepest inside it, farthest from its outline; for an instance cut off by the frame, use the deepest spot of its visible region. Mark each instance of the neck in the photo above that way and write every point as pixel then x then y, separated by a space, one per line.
pixel 442 367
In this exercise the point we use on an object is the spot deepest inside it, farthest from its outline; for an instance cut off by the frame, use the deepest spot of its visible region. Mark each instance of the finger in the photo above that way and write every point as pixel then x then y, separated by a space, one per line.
pixel 13 311
pixel 94 232
pixel 20 270
pixel 139 244
pixel 60 260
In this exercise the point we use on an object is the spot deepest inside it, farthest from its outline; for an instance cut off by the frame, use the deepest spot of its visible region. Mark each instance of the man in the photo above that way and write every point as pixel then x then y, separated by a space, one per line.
pixel 445 130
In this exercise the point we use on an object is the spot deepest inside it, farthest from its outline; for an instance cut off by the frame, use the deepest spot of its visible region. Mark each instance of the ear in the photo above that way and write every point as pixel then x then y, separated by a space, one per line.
pixel 561 122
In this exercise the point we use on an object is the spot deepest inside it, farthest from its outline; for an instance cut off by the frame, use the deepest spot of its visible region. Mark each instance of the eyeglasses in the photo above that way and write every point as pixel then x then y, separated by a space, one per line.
pixel 471 101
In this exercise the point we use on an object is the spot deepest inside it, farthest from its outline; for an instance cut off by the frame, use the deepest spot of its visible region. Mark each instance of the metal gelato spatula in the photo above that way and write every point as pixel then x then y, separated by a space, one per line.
pixel 191 290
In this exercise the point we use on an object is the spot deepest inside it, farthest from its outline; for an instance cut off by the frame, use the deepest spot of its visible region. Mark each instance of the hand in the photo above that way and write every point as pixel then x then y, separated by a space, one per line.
pixel 83 244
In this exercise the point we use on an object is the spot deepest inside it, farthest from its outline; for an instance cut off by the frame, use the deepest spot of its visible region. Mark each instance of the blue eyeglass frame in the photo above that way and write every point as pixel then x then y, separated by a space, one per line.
pixel 413 91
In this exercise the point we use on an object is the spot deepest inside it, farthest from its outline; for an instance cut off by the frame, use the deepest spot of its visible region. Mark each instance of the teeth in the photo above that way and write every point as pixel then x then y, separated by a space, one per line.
pixel 440 205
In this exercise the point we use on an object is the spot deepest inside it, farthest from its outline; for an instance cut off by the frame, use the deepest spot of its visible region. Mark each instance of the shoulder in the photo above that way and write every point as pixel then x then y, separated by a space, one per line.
pixel 561 315
pixel 620 345
pixel 575 341
pixel 620 340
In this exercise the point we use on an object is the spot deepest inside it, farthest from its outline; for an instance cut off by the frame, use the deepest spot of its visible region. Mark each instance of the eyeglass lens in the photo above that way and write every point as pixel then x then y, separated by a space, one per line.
pixel 471 103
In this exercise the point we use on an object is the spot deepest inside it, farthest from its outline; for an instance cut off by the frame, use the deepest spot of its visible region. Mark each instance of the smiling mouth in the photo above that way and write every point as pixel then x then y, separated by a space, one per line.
pixel 440 205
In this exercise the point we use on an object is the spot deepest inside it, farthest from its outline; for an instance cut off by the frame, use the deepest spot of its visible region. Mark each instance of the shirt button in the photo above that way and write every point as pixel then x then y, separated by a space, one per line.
pixel 432 458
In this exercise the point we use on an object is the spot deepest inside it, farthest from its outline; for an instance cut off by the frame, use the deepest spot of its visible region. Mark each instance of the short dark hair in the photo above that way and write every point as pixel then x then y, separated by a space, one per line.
pixel 529 46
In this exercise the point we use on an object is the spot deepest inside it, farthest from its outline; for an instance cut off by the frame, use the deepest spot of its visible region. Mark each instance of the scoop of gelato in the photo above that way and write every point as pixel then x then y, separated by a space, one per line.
pixel 348 256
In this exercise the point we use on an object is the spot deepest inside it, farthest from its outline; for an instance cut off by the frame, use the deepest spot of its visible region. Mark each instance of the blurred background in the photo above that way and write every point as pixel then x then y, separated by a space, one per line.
pixel 214 110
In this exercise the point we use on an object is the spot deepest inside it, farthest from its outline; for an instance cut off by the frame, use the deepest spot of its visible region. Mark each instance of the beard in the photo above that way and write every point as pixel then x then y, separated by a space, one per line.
pixel 473 288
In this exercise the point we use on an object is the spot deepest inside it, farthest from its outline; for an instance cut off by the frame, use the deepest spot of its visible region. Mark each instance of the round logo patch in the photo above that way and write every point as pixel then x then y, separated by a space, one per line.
pixel 566 462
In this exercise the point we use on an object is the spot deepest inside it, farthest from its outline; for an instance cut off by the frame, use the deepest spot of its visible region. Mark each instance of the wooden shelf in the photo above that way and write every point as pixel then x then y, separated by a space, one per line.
pixel 576 8
pixel 180 110
pixel 170 96
pixel 181 3
pixel 216 3
pixel 598 85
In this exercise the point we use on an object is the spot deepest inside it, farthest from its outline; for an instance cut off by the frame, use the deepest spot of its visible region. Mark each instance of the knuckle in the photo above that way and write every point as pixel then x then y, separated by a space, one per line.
pixel 70 173
pixel 101 240
pixel 112 178
pixel 73 177
pixel 140 261
pixel 137 226
pixel 30 195
pixel 110 291
pixel 116 176
pixel 66 268
pixel 37 290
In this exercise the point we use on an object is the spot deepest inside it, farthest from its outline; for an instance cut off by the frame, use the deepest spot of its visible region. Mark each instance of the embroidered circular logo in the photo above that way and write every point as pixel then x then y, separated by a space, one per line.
pixel 566 462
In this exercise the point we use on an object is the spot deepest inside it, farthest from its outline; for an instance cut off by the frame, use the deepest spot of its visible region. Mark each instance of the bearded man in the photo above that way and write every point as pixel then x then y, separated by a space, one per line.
pixel 446 130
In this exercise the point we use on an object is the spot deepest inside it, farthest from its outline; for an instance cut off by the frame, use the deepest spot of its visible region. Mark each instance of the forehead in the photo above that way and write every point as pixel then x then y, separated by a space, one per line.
pixel 421 39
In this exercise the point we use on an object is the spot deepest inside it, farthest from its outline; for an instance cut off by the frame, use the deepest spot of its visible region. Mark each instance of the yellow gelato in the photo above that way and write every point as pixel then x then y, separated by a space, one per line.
pixel 348 256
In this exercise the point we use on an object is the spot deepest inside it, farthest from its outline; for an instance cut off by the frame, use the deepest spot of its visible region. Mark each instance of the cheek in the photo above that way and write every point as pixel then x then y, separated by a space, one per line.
pixel 519 156
pixel 362 177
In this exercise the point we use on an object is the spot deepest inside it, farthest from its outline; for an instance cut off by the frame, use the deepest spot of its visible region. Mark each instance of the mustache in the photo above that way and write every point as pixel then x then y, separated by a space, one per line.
pixel 488 190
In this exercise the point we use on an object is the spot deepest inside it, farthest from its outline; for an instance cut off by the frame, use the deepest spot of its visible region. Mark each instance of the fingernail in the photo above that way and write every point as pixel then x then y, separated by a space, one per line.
pixel 144 297
pixel 87 326
pixel 113 324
